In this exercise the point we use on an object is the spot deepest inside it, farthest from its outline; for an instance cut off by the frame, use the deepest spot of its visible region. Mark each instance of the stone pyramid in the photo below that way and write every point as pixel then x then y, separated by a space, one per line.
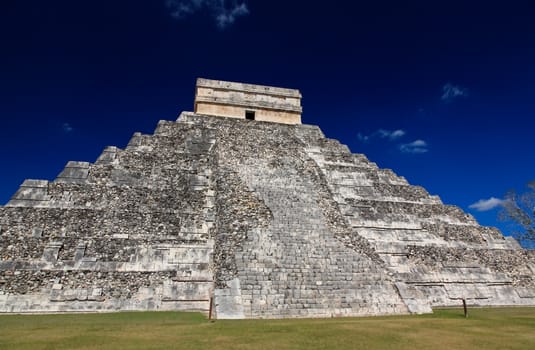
pixel 260 218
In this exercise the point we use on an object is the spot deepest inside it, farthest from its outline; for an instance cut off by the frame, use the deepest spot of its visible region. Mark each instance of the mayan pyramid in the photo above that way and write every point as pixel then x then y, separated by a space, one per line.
pixel 241 211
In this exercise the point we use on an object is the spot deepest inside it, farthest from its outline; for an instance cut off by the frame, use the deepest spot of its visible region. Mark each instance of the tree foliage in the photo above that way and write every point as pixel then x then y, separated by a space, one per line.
pixel 519 209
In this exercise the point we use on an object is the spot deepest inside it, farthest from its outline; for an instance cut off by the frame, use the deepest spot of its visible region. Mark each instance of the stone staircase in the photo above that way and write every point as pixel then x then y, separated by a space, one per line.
pixel 416 234
pixel 294 265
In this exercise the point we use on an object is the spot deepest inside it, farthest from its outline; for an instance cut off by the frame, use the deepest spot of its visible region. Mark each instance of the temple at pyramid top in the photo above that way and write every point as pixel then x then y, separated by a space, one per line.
pixel 247 101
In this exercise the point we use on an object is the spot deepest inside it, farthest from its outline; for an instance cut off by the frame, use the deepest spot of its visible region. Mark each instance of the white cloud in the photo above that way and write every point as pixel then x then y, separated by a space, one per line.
pixel 363 138
pixel 228 17
pixel 224 12
pixel 486 204
pixel 67 128
pixel 396 134
pixel 451 92
pixel 383 134
pixel 418 146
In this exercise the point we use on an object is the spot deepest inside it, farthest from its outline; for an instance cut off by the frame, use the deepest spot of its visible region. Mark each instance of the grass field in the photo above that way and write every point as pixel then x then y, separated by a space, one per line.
pixel 500 328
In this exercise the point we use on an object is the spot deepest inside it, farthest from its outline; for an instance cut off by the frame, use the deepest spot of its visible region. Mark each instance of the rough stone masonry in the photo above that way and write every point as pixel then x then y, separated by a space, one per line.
pixel 265 218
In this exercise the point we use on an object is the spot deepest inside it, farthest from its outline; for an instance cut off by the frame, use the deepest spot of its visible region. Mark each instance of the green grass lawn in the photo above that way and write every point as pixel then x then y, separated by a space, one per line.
pixel 499 328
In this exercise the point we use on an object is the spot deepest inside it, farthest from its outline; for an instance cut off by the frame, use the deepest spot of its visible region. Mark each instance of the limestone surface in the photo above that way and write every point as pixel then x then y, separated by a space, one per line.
pixel 248 219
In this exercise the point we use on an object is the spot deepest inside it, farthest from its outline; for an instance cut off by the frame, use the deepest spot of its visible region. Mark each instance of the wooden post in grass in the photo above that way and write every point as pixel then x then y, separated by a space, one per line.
pixel 211 307
pixel 465 308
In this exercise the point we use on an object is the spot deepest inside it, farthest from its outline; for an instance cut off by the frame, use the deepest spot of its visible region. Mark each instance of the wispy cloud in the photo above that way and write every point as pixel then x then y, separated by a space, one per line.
pixel 226 18
pixel 67 128
pixel 392 135
pixel 415 147
pixel 224 12
pixel 486 204
pixel 451 92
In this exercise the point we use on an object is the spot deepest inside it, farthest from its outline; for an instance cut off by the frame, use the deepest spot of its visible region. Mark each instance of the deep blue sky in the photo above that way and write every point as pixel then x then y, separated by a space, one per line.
pixel 457 78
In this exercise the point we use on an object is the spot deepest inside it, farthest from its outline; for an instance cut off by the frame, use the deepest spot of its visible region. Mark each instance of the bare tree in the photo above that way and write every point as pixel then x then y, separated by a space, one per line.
pixel 519 209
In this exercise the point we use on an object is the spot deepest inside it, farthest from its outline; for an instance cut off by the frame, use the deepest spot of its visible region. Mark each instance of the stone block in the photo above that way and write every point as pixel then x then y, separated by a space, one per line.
pixel 74 172
pixel 37 232
pixel 80 251
pixel 526 292
pixel 30 194
pixel 51 251
pixel 108 155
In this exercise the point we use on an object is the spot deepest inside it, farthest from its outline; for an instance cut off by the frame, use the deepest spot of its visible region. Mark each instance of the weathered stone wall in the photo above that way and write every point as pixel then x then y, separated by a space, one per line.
pixel 239 112
pixel 232 100
pixel 271 220
pixel 131 231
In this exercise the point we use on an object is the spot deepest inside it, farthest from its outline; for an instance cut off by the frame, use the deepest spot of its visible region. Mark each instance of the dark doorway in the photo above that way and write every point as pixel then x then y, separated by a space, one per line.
pixel 249 115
